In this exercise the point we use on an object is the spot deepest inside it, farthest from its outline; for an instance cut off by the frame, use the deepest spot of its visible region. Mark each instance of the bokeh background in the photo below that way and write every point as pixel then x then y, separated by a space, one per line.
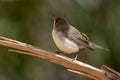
pixel 30 21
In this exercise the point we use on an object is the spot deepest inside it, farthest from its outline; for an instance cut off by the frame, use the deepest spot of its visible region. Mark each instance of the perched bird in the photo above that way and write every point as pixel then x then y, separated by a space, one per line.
pixel 68 39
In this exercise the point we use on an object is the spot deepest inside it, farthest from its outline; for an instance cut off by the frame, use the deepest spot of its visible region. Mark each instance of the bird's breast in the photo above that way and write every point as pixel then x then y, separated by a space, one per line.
pixel 63 43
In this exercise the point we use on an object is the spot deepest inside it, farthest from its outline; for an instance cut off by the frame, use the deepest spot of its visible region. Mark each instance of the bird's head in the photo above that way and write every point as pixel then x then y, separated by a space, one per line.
pixel 60 23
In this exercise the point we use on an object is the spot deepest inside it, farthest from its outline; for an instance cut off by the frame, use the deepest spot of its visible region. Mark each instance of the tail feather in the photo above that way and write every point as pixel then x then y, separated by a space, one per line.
pixel 92 45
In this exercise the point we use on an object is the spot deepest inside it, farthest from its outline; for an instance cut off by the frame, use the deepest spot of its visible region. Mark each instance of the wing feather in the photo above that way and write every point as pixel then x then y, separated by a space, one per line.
pixel 78 37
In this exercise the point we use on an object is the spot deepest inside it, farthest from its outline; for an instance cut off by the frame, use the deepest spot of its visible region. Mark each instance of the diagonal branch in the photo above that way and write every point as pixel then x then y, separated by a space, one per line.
pixel 73 66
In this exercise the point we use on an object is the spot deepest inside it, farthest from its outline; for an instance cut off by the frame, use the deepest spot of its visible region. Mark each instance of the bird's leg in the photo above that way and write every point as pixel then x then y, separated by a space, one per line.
pixel 76 56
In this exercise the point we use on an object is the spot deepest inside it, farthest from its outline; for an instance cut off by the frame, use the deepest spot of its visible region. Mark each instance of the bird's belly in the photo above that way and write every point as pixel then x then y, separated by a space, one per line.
pixel 65 44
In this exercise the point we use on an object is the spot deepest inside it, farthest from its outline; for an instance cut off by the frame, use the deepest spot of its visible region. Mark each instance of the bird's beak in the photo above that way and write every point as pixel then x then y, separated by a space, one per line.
pixel 54 17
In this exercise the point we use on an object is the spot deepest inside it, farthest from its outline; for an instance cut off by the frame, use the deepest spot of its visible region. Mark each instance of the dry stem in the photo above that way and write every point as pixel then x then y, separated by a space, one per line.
pixel 73 66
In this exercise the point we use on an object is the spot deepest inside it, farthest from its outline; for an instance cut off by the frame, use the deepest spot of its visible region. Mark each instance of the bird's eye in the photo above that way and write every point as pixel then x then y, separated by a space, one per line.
pixel 61 21
pixel 58 20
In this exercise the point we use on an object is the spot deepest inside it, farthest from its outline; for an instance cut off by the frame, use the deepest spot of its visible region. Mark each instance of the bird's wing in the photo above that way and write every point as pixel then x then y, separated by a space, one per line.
pixel 78 37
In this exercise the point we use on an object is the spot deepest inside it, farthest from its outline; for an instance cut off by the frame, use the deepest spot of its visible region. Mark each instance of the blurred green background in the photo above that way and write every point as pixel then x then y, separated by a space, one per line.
pixel 30 21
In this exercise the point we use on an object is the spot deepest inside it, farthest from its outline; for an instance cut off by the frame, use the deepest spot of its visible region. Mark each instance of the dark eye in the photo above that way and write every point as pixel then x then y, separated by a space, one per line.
pixel 61 21
pixel 58 20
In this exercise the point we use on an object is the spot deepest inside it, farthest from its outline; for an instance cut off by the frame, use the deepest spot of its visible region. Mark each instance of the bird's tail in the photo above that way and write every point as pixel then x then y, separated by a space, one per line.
pixel 92 45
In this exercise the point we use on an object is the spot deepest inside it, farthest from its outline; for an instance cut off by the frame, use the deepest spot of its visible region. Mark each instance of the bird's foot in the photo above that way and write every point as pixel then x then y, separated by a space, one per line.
pixel 75 58
pixel 58 52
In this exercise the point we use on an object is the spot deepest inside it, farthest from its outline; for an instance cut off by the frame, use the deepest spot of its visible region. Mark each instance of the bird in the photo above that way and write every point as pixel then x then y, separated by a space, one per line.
pixel 70 40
